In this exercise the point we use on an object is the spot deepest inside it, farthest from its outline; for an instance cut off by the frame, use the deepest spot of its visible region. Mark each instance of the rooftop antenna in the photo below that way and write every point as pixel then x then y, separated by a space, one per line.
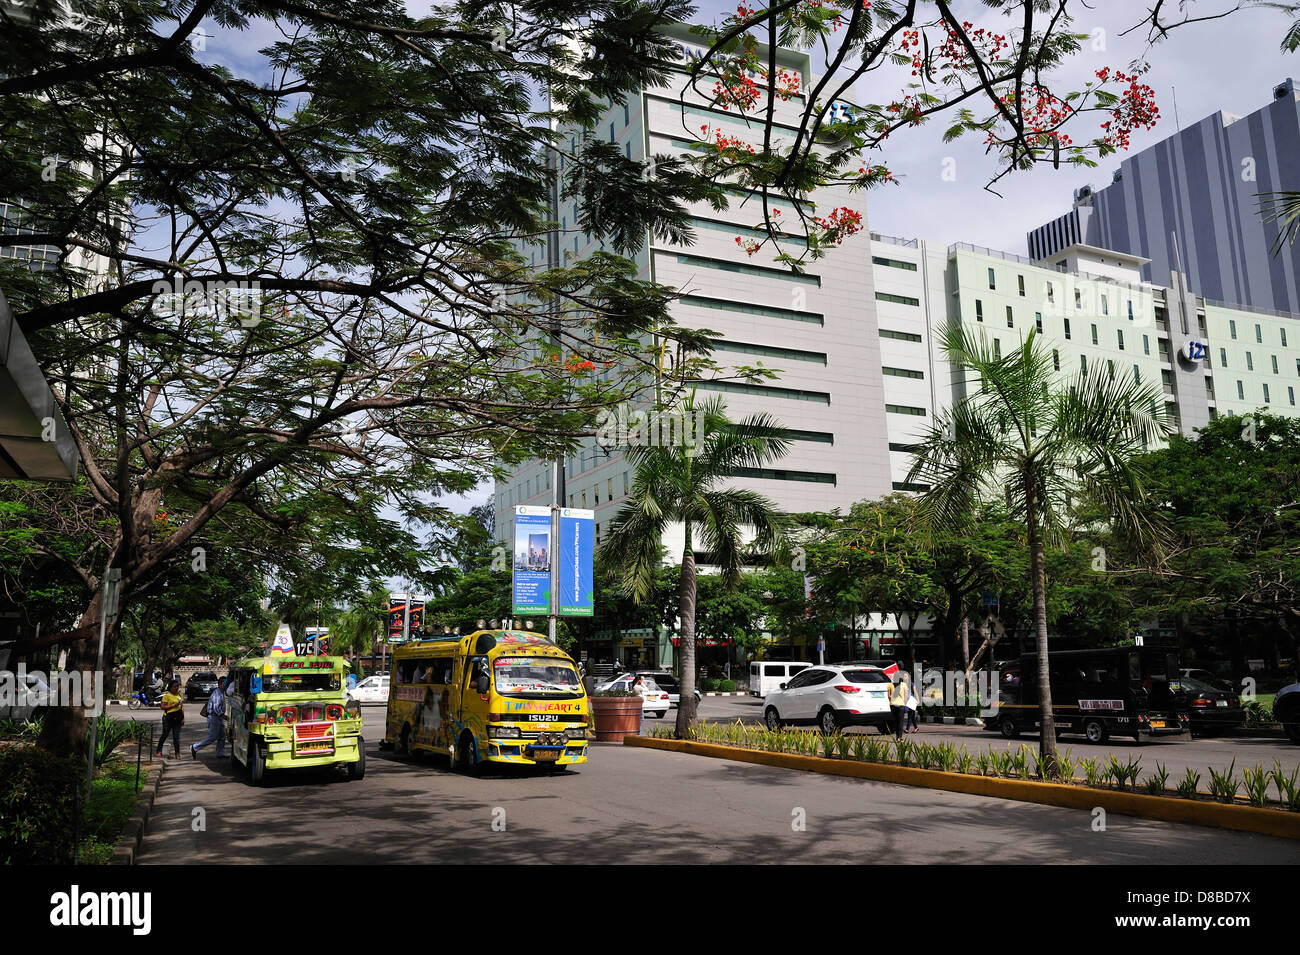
pixel 1174 93
pixel 1182 281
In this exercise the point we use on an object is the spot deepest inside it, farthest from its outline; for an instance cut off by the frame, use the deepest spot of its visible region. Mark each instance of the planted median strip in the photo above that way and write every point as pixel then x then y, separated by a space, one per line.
pixel 1011 774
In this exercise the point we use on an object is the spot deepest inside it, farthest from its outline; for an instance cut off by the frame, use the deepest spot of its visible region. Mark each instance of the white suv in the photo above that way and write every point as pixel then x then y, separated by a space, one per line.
pixel 832 697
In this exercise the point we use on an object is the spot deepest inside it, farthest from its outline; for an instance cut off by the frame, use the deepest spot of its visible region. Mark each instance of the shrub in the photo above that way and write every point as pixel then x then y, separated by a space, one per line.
pixel 1288 793
pixel 1190 785
pixel 1224 785
pixel 1257 781
pixel 38 796
pixel 727 686
pixel 1158 779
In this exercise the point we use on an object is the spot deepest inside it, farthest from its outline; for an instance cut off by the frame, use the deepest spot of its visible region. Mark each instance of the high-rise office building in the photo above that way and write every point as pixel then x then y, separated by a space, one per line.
pixel 1190 204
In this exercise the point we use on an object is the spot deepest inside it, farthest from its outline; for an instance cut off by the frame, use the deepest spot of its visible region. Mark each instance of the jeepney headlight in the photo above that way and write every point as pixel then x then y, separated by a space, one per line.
pixel 576 732
pixel 503 732
pixel 287 714
pixel 334 712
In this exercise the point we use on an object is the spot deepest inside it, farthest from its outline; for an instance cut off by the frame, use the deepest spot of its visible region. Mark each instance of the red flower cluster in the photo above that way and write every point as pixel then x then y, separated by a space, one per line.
pixel 1137 108
pixel 839 225
pixel 733 142
pixel 749 245
pixel 573 364
pixel 870 175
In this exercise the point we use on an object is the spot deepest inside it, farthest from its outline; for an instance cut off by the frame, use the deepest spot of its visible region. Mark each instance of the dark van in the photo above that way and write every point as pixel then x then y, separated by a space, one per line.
pixel 1129 691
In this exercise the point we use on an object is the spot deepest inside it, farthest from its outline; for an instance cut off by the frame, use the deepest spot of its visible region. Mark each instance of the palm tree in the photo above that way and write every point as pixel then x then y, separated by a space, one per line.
pixel 686 484
pixel 1040 439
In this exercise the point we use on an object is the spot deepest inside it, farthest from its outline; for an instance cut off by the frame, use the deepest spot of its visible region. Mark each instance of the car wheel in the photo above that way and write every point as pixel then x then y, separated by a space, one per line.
pixel 402 748
pixel 256 764
pixel 357 770
pixel 1095 731
pixel 828 721
pixel 660 715
pixel 772 719
pixel 134 704
pixel 1008 728
pixel 467 754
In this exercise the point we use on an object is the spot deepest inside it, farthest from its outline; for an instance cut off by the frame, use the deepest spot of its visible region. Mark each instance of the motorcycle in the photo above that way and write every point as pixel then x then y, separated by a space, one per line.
pixel 143 698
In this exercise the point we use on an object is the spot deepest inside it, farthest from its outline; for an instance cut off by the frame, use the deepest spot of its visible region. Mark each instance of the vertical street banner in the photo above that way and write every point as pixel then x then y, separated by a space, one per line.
pixel 282 645
pixel 417 619
pixel 577 558
pixel 531 590
pixel 396 614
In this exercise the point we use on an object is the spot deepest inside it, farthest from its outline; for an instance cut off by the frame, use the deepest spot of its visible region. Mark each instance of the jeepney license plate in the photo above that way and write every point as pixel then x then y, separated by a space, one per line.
pixel 1157 724
pixel 543 755
pixel 1221 703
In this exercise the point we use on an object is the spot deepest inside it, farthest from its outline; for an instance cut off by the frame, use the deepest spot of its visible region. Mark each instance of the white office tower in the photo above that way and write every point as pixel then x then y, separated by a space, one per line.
pixel 817 329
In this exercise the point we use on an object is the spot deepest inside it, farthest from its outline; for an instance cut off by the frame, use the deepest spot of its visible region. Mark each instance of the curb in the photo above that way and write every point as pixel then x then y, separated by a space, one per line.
pixel 128 843
pixel 1269 822
pixel 953 720
pixel 720 693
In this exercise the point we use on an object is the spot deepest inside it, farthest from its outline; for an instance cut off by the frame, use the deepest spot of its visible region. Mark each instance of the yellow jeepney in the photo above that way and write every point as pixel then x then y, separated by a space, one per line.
pixel 289 711
pixel 494 696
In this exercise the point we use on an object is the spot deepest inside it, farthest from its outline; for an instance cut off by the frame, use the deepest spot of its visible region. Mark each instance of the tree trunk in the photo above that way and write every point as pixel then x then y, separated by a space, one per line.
pixel 686 612
pixel 64 730
pixel 1047 737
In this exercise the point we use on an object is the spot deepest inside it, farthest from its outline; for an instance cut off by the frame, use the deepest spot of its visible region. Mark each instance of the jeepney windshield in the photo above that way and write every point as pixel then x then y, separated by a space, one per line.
pixel 300 682
pixel 536 676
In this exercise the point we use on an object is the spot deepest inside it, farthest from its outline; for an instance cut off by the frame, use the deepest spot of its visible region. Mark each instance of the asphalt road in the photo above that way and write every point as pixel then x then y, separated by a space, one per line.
pixel 633 805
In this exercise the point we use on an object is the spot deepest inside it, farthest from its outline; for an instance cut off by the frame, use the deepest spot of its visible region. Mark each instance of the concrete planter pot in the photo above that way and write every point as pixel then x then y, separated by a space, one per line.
pixel 614 717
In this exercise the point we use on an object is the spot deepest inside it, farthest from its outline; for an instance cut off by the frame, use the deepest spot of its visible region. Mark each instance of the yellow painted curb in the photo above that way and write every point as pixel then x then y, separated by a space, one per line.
pixel 1269 822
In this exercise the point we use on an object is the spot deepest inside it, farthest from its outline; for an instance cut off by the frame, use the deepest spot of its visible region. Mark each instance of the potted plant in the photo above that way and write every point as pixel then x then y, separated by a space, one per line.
pixel 615 714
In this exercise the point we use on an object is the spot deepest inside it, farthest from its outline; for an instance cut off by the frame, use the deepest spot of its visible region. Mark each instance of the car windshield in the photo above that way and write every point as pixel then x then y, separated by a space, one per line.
pixel 206 677
pixel 665 681
pixel 528 676
pixel 866 676
pixel 300 682
pixel 1193 685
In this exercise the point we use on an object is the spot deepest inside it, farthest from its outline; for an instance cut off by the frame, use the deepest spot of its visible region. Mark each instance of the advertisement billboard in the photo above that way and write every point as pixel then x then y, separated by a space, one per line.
pixel 531 589
pixel 577 558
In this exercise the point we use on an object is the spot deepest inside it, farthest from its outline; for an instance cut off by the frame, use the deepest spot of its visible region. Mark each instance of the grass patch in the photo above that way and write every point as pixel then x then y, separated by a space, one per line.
pixel 112 801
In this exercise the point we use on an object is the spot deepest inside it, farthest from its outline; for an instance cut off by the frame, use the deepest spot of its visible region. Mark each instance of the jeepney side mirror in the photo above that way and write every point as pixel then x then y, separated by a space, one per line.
pixel 481 684
pixel 783 686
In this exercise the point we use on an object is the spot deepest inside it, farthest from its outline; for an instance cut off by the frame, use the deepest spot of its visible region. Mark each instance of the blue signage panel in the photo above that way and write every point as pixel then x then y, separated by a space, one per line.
pixel 577 555
pixel 532 561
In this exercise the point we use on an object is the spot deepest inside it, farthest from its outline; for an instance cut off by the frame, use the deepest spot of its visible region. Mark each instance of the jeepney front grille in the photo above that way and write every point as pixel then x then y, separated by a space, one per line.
pixel 313 730
pixel 311 712
pixel 554 737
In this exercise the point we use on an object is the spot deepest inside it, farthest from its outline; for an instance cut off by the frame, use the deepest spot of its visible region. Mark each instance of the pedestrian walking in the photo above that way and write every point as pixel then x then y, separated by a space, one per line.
pixel 173 707
pixel 215 711
pixel 913 706
pixel 898 694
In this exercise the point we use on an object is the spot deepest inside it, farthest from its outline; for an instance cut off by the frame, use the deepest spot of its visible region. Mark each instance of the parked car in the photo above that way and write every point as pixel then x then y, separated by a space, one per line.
pixel 1211 709
pixel 831 697
pixel 1210 678
pixel 766 675
pixel 200 685
pixel 654 701
pixel 373 689
pixel 30 700
pixel 665 680
pixel 1286 710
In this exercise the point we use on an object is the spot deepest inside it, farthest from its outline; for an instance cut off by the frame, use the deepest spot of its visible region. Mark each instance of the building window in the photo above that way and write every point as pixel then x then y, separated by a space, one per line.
pixel 1038 322
pixel 979 310
pixel 992 283
pixel 1120 333
pixel 584 500
pixel 1056 359
pixel 1083 363
pixel 894 263
pixel 609 486
pixel 625 482
pixel 1020 282
pixel 902 372
pixel 1146 344
pixel 1067 329
pixel 627 149
pixel 1078 298
pixel 1137 375
pixel 595 492
pixel 611 132
pixel 1094 334
pixel 1130 310
pixel 570 500
pixel 1250 362
pixel 1223 358
pixel 1110 367
pixel 997 349
pixel 1105 304
pixel 1241 390
pixel 1274 357
pixel 1290 393
pixel 1259 334
pixel 1232 329
pixel 626 116
pixel 1283 331
pixel 905 409
pixel 1050 292
pixel 897 299
pixel 1011 322
pixel 1265 394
